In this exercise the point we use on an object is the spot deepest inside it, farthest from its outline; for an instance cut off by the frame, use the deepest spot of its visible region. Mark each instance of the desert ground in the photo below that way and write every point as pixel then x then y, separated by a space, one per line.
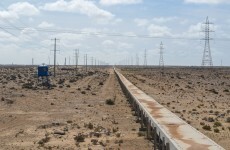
pixel 200 96
pixel 88 110
pixel 83 110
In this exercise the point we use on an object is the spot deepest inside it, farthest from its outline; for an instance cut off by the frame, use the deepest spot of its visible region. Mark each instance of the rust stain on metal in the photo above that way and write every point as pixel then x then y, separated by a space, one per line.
pixel 155 110
pixel 135 92
pixel 173 129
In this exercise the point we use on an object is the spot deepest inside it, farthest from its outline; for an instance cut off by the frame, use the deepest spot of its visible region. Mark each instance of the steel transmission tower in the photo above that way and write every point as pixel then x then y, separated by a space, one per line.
pixel 161 61
pixel 207 57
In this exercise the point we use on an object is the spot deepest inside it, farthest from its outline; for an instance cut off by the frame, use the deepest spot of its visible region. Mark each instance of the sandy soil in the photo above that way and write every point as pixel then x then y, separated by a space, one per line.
pixel 199 96
pixel 73 114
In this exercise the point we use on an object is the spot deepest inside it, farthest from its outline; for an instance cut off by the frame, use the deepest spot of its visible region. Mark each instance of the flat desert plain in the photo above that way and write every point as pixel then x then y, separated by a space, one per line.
pixel 83 110
pixel 200 96
pixel 88 110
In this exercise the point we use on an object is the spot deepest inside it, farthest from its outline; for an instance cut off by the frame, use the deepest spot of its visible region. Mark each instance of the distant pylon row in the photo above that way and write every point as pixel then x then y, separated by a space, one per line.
pixel 161 61
pixel 207 57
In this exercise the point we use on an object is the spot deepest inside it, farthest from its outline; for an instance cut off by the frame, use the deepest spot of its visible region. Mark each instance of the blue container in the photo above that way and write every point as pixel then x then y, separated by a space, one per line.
pixel 43 71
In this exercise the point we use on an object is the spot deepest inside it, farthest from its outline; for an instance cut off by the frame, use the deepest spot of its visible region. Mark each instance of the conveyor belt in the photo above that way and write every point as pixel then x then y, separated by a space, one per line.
pixel 168 130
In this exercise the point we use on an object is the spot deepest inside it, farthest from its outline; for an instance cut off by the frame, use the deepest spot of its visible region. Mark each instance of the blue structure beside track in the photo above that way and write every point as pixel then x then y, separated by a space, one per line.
pixel 43 71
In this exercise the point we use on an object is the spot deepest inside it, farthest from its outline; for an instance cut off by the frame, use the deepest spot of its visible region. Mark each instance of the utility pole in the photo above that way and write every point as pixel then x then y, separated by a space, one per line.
pixel 32 61
pixel 76 58
pixel 145 58
pixel 65 61
pixel 131 60
pixel 92 61
pixel 49 60
pixel 161 61
pixel 207 57
pixel 84 59
pixel 55 51
pixel 137 60
pixel 86 62
pixel 69 60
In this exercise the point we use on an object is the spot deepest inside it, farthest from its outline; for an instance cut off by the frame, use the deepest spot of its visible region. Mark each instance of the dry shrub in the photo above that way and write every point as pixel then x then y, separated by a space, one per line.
pixel 110 102
pixel 79 138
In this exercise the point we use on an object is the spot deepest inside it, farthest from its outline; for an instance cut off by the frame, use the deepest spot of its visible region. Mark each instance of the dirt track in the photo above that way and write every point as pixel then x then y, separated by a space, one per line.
pixel 72 115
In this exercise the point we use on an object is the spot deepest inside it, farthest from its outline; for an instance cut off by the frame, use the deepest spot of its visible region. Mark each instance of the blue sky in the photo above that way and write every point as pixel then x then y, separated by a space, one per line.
pixel 177 23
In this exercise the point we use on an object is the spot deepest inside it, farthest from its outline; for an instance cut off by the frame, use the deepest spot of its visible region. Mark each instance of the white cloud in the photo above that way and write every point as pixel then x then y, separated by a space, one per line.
pixel 159 31
pixel 206 1
pixel 193 31
pixel 108 43
pixel 28 31
pixel 28 34
pixel 158 20
pixel 70 40
pixel 124 46
pixel 164 19
pixel 8 15
pixel 80 6
pixel 117 46
pixel 6 37
pixel 45 24
pixel 141 22
pixel 23 8
pixel 19 9
pixel 118 2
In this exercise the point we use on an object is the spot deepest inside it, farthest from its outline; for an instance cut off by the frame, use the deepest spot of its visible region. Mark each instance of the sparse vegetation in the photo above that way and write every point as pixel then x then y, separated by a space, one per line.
pixel 216 130
pixel 195 106
pixel 210 119
pixel 110 102
pixel 217 124
pixel 44 140
pixel 228 119
pixel 79 138
pixel 207 127
pixel 141 133
pixel 83 92
pixel 89 125
pixel 27 85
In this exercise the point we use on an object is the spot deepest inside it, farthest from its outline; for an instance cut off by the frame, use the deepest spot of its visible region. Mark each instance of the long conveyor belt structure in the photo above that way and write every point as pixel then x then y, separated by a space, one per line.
pixel 168 131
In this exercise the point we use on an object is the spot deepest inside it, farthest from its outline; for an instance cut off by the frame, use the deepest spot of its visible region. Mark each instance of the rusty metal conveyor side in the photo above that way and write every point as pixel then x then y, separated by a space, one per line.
pixel 168 131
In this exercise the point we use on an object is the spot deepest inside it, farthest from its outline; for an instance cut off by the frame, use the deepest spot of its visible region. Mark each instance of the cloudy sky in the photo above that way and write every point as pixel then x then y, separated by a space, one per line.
pixel 114 31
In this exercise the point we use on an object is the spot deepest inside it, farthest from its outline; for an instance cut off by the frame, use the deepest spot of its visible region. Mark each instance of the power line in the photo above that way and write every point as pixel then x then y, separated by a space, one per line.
pixel 109 34
pixel 15 27
pixel 9 32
